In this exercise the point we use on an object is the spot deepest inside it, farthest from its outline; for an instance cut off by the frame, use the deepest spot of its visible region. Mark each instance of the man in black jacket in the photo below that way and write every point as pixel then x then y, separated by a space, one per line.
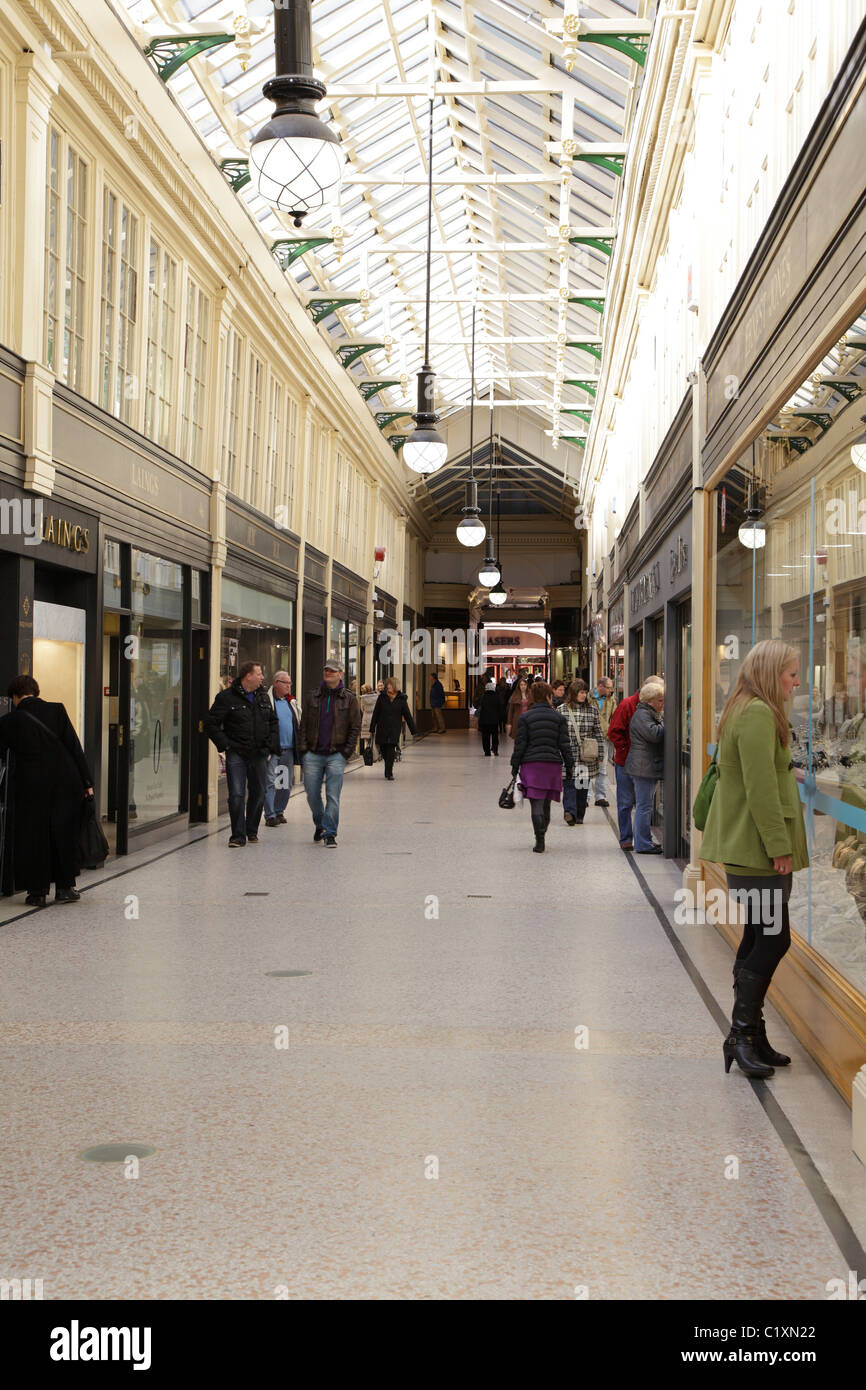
pixel 242 723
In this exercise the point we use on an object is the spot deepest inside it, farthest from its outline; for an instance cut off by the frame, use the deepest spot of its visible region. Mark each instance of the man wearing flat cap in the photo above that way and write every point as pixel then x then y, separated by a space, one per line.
pixel 330 725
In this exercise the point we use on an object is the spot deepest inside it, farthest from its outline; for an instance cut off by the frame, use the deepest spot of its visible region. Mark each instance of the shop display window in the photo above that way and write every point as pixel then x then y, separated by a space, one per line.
pixel 255 627
pixel 156 688
pixel 806 584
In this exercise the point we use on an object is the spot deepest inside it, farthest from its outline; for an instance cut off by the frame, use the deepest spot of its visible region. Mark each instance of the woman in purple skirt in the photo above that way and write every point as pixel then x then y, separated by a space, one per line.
pixel 541 746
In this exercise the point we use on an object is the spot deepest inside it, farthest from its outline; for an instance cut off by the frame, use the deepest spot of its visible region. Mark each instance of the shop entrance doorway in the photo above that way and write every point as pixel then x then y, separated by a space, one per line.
pixel 114 789
pixel 314 659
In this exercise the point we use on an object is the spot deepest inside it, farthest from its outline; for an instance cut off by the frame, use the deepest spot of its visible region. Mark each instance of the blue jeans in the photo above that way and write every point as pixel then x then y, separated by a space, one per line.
pixel 277 797
pixel 624 803
pixel 246 778
pixel 644 790
pixel 327 768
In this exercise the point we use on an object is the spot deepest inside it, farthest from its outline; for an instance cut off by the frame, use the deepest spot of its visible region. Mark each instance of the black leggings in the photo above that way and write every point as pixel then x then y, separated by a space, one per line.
pixel 388 752
pixel 767 929
pixel 540 814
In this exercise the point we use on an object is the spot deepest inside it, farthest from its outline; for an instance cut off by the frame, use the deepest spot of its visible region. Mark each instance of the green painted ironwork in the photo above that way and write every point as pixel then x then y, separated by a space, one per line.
pixel 322 307
pixel 634 46
pixel 589 386
pixel 589 300
pixel 611 162
pixel 599 243
pixel 170 51
pixel 849 387
pixel 351 352
pixel 594 348
pixel 821 418
pixel 237 171
pixel 384 418
pixel 799 442
pixel 290 249
pixel 369 389
pixel 397 441
pixel 584 415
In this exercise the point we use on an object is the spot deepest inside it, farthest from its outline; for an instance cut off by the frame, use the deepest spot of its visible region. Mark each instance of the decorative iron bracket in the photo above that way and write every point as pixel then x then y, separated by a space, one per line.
pixel 397 441
pixel 290 249
pixel 349 353
pixel 369 389
pixel 237 172
pixel 611 162
pixel 589 300
pixel 594 348
pixel 321 307
pixel 384 418
pixel 589 386
pixel 169 52
pixel 634 46
pixel 599 243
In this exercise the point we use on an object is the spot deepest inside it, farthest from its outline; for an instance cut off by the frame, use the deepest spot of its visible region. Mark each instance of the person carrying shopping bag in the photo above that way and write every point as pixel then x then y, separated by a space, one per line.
pixel 541 746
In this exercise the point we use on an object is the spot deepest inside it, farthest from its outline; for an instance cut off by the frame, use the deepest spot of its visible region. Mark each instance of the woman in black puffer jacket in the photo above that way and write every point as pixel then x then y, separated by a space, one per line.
pixel 392 708
pixel 541 746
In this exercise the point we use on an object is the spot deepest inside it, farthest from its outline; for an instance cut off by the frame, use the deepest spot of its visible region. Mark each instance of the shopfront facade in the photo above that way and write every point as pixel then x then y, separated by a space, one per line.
pixel 348 623
pixel 794 340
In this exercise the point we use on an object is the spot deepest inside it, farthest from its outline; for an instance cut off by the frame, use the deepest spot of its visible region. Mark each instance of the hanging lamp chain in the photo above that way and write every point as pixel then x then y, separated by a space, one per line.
pixel 429 234
pixel 472 405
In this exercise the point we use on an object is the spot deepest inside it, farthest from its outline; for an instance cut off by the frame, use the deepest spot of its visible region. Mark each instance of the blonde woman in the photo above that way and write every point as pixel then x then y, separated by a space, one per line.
pixel 755 828
pixel 645 761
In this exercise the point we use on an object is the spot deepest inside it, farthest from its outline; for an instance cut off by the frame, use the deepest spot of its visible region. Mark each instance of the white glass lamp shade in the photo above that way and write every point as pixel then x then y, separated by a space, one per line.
pixel 471 531
pixel 296 171
pixel 489 574
pixel 753 535
pixel 498 596
pixel 858 453
pixel 425 451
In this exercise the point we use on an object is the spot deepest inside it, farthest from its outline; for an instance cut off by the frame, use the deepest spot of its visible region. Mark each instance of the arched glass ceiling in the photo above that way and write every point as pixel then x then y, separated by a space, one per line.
pixel 368 52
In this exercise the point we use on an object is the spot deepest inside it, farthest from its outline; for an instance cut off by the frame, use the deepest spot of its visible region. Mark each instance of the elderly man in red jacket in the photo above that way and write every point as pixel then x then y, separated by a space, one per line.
pixel 617 732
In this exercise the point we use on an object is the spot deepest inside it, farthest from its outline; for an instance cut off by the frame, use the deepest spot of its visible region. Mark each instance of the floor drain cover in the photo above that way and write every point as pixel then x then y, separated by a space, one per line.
pixel 479 895
pixel 282 973
pixel 117 1153
pixel 257 895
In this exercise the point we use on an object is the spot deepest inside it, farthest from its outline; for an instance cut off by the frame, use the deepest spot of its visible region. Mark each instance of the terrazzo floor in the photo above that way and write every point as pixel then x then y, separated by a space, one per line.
pixel 497 1081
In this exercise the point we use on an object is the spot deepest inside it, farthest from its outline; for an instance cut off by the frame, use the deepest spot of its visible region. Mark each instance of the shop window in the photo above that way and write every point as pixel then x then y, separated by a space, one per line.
pixel 119 307
pixel 256 626
pixel 195 363
pixel 161 318
pixel 806 584
pixel 66 307
pixel 156 689
pixel 231 410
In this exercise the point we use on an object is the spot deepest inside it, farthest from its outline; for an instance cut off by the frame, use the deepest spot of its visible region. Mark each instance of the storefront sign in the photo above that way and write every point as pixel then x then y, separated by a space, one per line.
pixel 645 588
pixel 246 534
pixel 57 531
pixel 679 558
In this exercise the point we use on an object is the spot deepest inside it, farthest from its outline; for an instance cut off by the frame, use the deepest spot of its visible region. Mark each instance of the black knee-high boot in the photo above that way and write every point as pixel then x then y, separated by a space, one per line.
pixel 539 825
pixel 741 1044
pixel 763 1047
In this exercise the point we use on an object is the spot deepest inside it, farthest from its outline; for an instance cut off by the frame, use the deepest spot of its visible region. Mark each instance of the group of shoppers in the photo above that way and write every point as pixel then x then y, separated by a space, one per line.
pixel 263 736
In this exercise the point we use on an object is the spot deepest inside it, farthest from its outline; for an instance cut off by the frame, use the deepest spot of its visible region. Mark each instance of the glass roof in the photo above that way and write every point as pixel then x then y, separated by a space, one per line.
pixel 363 48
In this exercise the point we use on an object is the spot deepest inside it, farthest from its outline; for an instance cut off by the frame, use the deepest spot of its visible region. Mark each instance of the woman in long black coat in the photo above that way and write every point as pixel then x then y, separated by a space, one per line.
pixel 49 782
pixel 386 724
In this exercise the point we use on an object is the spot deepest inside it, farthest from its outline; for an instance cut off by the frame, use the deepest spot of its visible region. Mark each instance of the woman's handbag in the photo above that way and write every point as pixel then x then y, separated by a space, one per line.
pixel 506 796
pixel 569 797
pixel 92 844
pixel 701 808
pixel 589 750
pixel 368 754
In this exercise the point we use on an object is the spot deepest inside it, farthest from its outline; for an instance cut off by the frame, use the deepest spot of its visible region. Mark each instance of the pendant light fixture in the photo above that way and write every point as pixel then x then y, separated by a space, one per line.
pixel 858 451
pixel 425 450
pixel 488 575
pixel 471 530
pixel 498 594
pixel 296 161
pixel 753 533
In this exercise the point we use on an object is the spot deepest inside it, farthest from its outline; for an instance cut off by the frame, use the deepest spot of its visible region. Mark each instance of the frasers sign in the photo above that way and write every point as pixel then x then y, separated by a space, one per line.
pixel 645 588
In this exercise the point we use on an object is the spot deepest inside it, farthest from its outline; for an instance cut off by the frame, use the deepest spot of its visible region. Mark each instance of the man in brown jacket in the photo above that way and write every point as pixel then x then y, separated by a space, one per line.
pixel 330 725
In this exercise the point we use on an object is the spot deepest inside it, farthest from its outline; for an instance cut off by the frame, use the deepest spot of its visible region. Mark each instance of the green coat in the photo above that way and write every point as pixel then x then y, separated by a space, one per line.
pixel 756 814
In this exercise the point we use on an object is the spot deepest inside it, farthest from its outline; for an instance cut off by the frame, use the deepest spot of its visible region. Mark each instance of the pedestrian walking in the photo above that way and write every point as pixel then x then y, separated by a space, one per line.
pixel 437 703
pixel 517 705
pixel 618 735
pixel 585 737
pixel 755 828
pixel 386 725
pixel 503 694
pixel 606 702
pixel 558 688
pixel 281 766
pixel 330 726
pixel 50 781
pixel 645 761
pixel 489 710
pixel 368 704
pixel 242 723
pixel 541 746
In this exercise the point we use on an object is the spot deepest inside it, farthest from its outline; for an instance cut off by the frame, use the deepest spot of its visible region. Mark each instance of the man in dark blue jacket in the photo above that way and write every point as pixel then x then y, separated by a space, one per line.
pixel 242 723
pixel 437 703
